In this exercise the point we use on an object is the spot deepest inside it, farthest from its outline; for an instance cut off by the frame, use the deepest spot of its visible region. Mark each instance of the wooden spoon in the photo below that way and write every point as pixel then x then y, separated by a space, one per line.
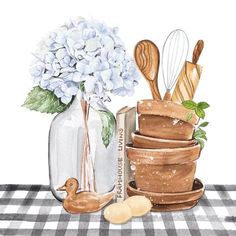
pixel 197 51
pixel 147 59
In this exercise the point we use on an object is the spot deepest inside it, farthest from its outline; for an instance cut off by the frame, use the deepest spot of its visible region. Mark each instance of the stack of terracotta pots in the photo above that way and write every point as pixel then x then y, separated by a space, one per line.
pixel 163 156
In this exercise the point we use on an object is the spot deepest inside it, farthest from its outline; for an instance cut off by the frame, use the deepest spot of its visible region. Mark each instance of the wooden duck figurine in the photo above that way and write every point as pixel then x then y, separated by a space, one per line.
pixel 85 201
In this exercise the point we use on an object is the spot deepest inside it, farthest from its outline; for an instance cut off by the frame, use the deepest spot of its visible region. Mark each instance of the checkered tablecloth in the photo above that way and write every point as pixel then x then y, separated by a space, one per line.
pixel 32 210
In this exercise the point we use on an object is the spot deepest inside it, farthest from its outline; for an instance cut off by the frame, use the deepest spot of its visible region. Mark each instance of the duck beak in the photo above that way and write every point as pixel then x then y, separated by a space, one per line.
pixel 62 188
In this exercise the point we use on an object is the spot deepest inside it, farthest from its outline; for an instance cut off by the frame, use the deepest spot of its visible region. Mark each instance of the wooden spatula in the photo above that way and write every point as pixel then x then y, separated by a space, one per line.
pixel 147 58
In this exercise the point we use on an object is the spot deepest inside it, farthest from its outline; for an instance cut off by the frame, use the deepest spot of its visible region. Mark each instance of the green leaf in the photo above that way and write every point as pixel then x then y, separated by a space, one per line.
pixel 108 126
pixel 201 142
pixel 203 105
pixel 44 101
pixel 204 124
pixel 200 112
pixel 199 134
pixel 189 116
pixel 199 128
pixel 81 86
pixel 200 131
pixel 189 104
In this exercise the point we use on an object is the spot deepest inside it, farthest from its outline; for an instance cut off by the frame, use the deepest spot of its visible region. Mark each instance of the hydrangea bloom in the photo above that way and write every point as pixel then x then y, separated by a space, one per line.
pixel 84 54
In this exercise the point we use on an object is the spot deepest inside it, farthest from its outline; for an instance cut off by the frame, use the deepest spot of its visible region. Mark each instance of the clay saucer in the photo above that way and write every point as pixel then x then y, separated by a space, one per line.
pixel 142 141
pixel 170 201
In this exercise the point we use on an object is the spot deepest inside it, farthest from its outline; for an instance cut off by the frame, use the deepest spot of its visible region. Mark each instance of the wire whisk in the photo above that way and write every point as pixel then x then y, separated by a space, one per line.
pixel 174 54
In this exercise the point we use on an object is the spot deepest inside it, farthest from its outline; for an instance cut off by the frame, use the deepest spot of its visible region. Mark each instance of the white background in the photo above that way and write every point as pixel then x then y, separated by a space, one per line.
pixel 23 134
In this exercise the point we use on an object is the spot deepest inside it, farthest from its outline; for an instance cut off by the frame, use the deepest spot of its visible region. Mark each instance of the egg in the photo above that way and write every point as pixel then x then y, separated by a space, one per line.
pixel 139 205
pixel 117 213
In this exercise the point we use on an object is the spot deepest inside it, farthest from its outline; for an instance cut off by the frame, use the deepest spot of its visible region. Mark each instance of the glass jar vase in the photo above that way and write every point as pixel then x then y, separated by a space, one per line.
pixel 82 145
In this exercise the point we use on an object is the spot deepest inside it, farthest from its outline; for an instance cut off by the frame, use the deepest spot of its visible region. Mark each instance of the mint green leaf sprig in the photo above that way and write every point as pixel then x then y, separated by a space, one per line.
pixel 44 101
pixel 199 109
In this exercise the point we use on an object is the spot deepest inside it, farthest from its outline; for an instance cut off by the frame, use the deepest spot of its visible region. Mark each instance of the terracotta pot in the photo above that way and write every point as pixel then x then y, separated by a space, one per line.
pixel 170 201
pixel 142 141
pixel 165 119
pixel 164 170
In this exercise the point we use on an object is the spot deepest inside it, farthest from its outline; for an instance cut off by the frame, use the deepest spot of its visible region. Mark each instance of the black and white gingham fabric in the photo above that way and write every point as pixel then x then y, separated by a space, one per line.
pixel 32 210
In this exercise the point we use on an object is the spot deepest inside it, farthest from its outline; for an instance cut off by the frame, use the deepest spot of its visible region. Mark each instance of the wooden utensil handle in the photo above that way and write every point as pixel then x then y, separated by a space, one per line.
pixel 155 92
pixel 167 96
pixel 197 51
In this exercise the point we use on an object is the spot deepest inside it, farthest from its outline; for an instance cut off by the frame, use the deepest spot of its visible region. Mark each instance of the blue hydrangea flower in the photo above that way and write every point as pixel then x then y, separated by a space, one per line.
pixel 85 52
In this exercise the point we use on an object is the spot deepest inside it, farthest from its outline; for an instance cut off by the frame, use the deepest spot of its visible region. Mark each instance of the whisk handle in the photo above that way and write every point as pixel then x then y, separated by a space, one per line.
pixel 167 96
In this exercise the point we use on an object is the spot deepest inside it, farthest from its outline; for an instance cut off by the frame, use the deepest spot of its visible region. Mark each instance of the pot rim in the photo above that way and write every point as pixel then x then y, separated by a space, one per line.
pixel 165 156
pixel 166 108
pixel 150 138
pixel 160 150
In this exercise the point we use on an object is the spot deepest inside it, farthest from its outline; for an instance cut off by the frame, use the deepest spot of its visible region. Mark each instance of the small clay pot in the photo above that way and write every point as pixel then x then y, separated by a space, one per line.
pixel 164 170
pixel 166 120
pixel 142 141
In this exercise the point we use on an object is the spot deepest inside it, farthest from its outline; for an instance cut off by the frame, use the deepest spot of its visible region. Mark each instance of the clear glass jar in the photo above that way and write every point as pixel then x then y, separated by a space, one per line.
pixel 82 145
